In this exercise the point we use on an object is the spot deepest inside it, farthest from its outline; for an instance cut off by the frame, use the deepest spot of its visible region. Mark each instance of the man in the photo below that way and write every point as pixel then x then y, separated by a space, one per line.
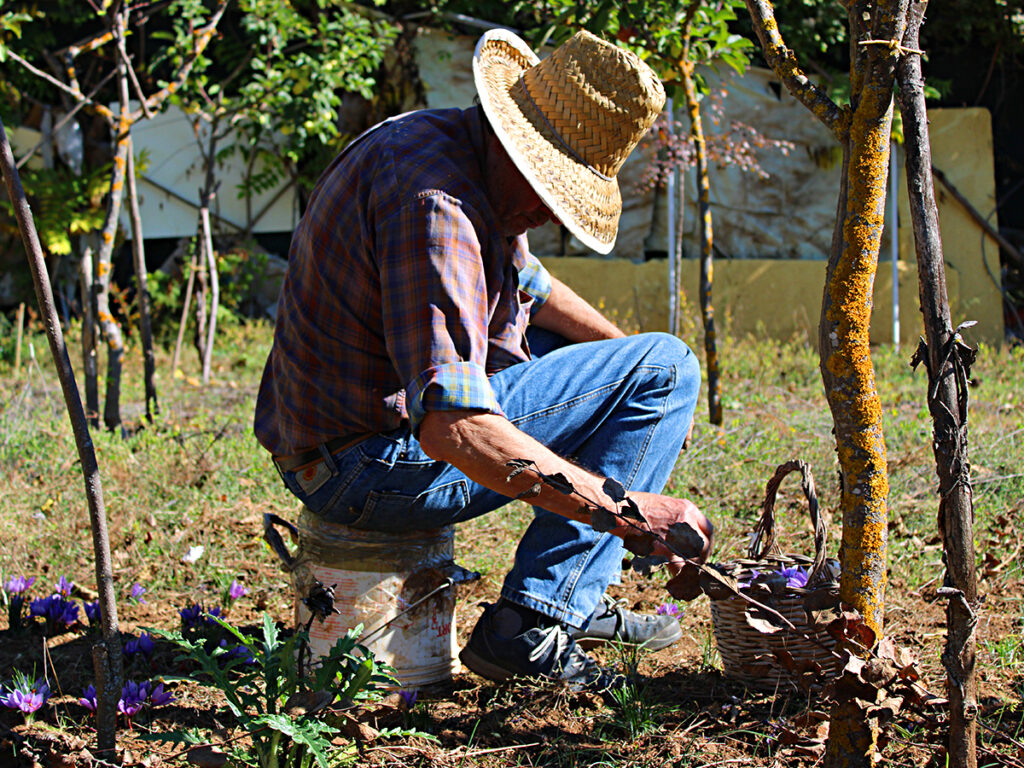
pixel 420 347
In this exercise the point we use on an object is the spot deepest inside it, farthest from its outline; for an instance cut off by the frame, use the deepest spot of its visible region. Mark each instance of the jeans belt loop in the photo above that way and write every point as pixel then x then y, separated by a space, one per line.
pixel 328 459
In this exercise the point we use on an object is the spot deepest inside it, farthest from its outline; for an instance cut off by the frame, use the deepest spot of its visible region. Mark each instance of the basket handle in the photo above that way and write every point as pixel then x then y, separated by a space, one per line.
pixel 763 541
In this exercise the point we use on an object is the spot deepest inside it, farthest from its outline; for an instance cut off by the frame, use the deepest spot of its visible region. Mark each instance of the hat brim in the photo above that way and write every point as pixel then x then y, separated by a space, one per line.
pixel 586 203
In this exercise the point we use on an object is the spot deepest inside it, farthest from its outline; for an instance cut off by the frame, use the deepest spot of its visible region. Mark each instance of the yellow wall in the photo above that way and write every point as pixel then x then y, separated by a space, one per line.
pixel 782 298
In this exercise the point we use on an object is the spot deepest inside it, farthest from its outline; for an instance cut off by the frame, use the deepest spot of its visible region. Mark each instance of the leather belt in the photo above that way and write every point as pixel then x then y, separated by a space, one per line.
pixel 305 459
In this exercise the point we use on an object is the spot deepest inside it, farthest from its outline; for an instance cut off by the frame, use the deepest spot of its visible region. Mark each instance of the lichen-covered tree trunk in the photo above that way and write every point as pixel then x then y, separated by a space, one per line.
pixel 706 244
pixel 948 364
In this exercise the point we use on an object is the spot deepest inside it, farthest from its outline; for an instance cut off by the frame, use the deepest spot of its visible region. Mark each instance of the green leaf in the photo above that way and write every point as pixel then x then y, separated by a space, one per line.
pixel 304 730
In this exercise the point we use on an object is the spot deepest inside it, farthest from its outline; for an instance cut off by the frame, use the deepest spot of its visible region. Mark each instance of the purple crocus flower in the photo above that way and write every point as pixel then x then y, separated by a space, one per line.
pixel 26 697
pixel 795 576
pixel 667 609
pixel 18 585
pixel 92 612
pixel 137 592
pixel 158 697
pixel 197 615
pixel 237 590
pixel 142 644
pixel 64 586
pixel 55 610
pixel 409 697
pixel 235 652
pixel 133 696
pixel 16 588
pixel 190 615
pixel 88 699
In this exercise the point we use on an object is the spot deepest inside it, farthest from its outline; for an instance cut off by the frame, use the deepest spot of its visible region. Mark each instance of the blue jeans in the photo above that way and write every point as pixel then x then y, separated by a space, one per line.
pixel 620 408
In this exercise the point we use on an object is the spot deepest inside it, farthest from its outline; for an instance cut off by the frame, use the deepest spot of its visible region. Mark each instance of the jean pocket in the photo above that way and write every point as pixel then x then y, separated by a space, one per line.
pixel 327 496
pixel 394 512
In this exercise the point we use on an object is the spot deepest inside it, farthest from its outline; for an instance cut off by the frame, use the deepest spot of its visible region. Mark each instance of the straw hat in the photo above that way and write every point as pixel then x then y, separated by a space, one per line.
pixel 569 122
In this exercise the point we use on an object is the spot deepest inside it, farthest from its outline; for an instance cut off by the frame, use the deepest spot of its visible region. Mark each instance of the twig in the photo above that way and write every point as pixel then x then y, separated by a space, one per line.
pixel 980 220
pixel 102 110
pixel 996 479
pixel 893 45
pixel 475 752
pixel 64 120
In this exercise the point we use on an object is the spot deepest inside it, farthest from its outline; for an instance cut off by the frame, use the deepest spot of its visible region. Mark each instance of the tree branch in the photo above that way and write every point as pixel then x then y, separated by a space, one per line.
pixel 203 37
pixel 101 109
pixel 783 62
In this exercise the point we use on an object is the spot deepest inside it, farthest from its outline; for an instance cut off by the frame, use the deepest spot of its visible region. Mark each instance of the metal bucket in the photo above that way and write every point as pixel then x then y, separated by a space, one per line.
pixel 400 587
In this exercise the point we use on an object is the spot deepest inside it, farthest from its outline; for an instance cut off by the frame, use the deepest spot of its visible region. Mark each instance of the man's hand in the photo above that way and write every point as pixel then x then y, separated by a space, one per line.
pixel 660 513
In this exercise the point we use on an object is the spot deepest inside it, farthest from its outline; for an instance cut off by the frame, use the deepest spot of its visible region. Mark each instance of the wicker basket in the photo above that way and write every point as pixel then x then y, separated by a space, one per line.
pixel 787 657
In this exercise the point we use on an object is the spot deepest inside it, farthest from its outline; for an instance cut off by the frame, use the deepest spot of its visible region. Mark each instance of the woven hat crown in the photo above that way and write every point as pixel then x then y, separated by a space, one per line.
pixel 569 122
pixel 598 98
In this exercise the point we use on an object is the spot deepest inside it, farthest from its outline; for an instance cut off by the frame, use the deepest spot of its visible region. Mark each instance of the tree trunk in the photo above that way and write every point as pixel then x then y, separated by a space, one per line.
pixel 199 296
pixel 847 372
pixel 190 282
pixel 948 363
pixel 211 257
pixel 89 368
pixel 110 327
pixel 706 245
pixel 139 258
pixel 107 652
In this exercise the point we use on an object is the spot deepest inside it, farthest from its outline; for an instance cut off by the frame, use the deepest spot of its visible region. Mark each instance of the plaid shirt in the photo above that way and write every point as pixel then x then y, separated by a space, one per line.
pixel 400 295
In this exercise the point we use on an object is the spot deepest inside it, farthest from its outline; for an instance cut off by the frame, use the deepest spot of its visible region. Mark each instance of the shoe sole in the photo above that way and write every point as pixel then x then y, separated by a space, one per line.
pixel 482 667
pixel 493 672
pixel 663 639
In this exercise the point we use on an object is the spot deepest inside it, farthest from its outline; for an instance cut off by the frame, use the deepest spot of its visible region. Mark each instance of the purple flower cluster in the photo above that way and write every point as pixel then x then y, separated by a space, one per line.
pixel 55 610
pixel 795 576
pixel 26 696
pixel 667 609
pixel 133 697
pixel 92 612
pixel 18 585
pixel 196 616
pixel 137 591
pixel 143 644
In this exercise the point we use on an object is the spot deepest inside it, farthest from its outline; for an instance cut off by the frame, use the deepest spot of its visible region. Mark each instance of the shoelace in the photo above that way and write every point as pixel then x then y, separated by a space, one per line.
pixel 552 636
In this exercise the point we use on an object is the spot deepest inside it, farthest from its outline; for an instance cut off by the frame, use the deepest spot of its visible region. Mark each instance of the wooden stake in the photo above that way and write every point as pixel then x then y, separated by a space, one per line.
pixel 21 331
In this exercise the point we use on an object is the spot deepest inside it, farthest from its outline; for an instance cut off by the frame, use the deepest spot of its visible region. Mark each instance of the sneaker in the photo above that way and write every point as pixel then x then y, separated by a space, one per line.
pixel 504 645
pixel 611 622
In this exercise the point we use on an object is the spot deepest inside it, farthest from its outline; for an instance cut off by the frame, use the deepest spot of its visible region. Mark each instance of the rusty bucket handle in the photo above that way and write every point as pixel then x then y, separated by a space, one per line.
pixel 273 538
pixel 763 541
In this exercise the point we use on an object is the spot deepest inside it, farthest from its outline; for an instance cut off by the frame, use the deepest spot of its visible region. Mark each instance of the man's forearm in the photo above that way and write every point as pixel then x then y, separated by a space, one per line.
pixel 570 316
pixel 482 444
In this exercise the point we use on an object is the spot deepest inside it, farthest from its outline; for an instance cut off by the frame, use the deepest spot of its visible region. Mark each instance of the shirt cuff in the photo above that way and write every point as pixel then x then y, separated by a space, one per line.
pixel 535 280
pixel 450 387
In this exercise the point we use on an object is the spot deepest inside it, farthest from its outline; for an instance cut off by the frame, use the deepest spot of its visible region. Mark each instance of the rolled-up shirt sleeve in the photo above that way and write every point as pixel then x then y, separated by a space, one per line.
pixel 534 279
pixel 434 308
